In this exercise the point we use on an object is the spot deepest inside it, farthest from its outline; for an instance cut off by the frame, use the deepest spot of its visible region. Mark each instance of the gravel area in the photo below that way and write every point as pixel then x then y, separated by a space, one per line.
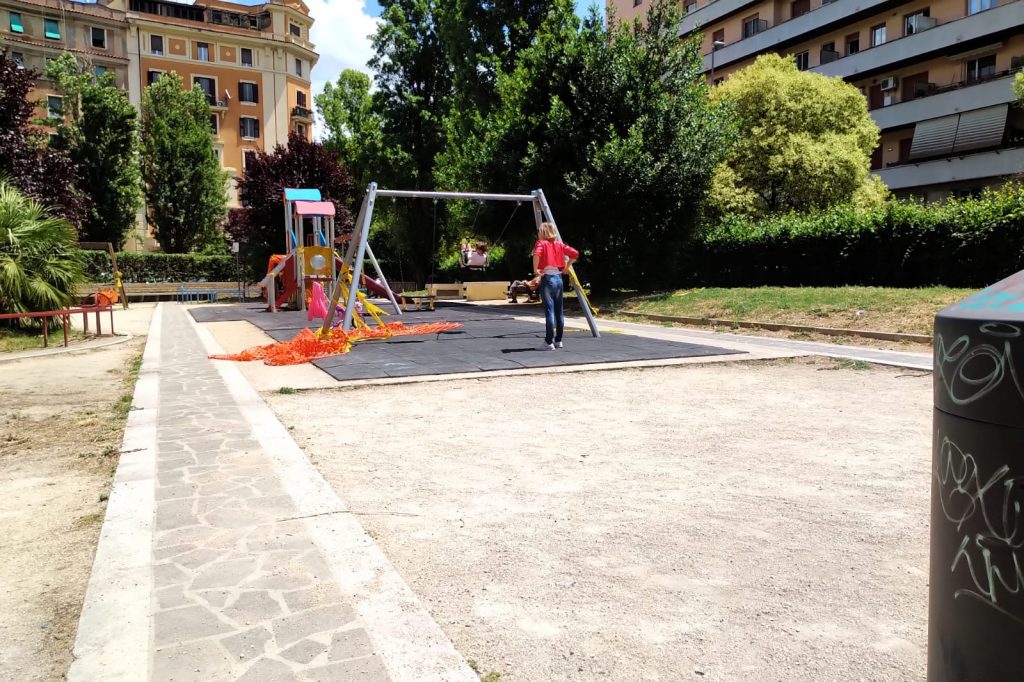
pixel 747 521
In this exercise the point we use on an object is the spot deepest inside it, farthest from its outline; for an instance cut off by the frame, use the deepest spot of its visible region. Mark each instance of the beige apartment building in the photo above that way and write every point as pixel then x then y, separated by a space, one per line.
pixel 35 31
pixel 937 75
pixel 253 62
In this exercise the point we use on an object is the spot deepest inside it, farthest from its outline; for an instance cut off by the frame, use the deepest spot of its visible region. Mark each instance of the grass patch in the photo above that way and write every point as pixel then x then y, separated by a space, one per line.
pixel 13 340
pixel 124 403
pixel 908 311
pixel 847 363
pixel 287 390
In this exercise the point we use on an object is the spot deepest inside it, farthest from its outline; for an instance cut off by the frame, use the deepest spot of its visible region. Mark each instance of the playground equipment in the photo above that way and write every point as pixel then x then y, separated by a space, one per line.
pixel 358 247
pixel 103 296
pixel 309 256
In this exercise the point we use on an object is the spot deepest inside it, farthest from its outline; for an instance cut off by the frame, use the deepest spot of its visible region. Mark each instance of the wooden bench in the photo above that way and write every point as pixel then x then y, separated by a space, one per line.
pixel 174 291
pixel 414 302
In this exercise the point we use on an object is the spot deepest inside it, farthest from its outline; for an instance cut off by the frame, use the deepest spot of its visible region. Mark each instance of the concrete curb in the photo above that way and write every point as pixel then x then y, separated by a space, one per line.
pixel 408 640
pixel 113 639
pixel 61 350
pixel 779 327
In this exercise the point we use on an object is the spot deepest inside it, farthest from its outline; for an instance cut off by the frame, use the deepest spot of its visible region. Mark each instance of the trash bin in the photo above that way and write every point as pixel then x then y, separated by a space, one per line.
pixel 976 587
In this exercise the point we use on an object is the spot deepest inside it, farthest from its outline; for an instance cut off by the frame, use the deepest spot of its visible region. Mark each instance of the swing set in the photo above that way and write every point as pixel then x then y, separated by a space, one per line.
pixel 358 247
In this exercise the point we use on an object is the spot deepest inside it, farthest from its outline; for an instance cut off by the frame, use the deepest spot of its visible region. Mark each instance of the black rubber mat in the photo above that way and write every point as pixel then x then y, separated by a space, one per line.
pixel 490 339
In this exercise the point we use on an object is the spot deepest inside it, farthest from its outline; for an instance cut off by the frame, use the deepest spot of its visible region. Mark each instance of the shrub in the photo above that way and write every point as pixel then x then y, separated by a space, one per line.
pixel 163 267
pixel 40 268
pixel 963 243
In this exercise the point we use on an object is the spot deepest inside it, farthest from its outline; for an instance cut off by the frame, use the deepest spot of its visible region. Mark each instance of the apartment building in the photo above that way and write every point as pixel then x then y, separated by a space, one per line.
pixel 253 62
pixel 35 31
pixel 937 75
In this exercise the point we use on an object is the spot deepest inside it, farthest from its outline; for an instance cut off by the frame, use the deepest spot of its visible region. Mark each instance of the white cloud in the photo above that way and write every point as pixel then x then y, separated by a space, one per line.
pixel 341 33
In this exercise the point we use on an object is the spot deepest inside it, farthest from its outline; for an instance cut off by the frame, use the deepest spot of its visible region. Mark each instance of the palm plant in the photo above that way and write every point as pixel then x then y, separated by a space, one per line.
pixel 40 265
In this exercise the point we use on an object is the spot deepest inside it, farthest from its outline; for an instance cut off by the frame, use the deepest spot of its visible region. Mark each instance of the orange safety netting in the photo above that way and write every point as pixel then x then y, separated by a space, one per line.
pixel 308 345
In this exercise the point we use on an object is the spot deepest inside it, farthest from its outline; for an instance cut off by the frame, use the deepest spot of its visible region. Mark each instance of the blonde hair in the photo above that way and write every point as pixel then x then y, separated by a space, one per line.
pixel 547 231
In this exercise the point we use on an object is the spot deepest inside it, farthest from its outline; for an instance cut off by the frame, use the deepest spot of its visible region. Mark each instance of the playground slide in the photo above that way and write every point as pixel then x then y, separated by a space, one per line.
pixel 371 285
pixel 288 277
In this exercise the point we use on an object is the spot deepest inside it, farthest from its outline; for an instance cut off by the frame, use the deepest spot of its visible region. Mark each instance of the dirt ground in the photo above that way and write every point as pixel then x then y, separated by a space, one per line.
pixel 60 434
pixel 730 522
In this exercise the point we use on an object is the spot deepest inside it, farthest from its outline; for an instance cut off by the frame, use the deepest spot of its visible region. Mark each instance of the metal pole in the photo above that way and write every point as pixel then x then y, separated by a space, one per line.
pixel 383 281
pixel 575 280
pixel 357 266
pixel 404 194
pixel 336 292
pixel 712 62
pixel 300 266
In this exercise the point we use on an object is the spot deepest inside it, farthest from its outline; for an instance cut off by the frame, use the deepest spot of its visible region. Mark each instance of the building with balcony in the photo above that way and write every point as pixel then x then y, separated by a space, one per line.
pixel 35 31
pixel 936 74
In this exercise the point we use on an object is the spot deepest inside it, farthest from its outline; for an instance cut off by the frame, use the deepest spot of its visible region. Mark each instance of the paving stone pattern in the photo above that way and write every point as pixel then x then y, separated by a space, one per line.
pixel 490 339
pixel 242 592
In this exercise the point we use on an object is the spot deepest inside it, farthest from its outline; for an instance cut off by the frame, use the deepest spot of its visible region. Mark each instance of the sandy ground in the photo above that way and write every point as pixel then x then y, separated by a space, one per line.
pixel 730 522
pixel 59 441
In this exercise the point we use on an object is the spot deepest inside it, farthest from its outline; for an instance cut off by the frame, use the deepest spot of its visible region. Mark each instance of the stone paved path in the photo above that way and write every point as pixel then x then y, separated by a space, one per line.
pixel 240 588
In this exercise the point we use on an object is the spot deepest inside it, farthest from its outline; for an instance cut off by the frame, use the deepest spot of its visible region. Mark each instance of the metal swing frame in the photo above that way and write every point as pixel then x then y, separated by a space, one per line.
pixel 359 247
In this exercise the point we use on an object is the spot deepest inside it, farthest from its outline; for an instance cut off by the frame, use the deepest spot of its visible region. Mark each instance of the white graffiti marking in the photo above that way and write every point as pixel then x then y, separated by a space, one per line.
pixel 992 553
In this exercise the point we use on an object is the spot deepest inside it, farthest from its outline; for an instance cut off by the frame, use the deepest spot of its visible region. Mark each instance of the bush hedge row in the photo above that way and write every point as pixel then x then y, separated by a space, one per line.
pixel 162 267
pixel 961 243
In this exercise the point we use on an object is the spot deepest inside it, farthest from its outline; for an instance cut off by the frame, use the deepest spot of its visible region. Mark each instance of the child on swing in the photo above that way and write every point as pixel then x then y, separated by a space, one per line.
pixel 550 259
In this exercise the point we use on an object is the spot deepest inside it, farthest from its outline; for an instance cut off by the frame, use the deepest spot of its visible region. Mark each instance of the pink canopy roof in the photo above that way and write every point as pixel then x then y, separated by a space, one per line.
pixel 314 208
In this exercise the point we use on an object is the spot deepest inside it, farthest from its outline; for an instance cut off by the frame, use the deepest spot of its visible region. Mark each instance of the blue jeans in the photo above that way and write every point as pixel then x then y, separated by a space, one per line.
pixel 551 295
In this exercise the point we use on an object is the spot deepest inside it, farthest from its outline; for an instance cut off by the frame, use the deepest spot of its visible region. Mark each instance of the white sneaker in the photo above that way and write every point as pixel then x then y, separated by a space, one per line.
pixel 547 346
pixel 558 344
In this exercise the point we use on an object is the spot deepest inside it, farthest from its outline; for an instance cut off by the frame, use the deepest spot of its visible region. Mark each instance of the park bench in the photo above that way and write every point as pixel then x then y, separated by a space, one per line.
pixel 174 291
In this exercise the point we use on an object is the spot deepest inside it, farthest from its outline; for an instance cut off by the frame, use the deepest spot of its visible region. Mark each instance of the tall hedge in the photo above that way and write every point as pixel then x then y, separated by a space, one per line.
pixel 961 243
pixel 163 267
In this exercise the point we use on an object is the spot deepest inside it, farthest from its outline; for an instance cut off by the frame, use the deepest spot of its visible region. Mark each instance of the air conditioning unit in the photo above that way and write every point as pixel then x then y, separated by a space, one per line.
pixel 889 83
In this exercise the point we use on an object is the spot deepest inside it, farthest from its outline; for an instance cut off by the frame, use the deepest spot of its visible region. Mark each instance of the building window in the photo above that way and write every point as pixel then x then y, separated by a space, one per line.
pixel 248 93
pixel 298 67
pixel 51 29
pixel 828 53
pixel 980 69
pixel 55 107
pixel 799 7
pixel 753 25
pixel 214 127
pixel 877 35
pixel 153 76
pixel 300 98
pixel 16 25
pixel 248 156
pixel 99 70
pixel 249 127
pixel 916 22
pixel 852 44
pixel 803 60
pixel 718 37
pixel 246 56
pixel 295 30
pixel 156 45
pixel 209 88
pixel 690 6
pixel 914 86
pixel 99 38
pixel 300 128
pixel 18 59
pixel 636 3
pixel 975 6
pixel 203 52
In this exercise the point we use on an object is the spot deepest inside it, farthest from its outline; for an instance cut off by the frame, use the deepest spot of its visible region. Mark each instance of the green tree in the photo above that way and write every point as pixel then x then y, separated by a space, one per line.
pixel 805 140
pixel 353 127
pixel 100 135
pixel 36 169
pixel 615 125
pixel 414 84
pixel 40 266
pixel 184 186
pixel 1018 87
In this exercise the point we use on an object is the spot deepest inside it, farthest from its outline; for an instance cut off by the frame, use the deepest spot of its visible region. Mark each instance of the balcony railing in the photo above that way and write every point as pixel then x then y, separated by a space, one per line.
pixel 828 56
pixel 301 112
pixel 754 26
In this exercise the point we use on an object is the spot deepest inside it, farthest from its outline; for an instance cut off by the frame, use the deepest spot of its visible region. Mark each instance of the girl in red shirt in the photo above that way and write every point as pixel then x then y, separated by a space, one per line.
pixel 550 260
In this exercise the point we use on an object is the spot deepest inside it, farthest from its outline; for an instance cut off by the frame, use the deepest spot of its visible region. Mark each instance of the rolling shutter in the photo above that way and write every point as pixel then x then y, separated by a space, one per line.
pixel 934 137
pixel 981 128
